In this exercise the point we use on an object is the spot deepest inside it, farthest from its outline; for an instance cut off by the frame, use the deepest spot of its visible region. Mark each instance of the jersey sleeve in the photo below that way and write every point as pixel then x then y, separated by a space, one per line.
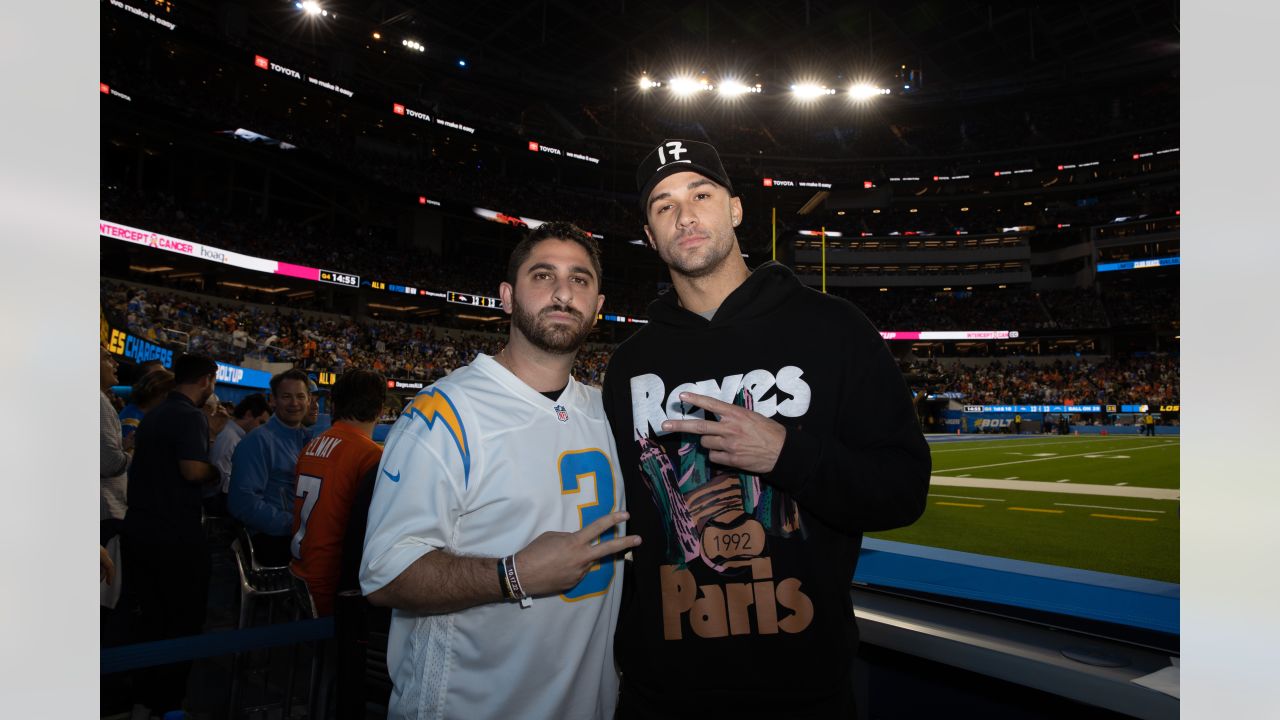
pixel 420 489
pixel 128 426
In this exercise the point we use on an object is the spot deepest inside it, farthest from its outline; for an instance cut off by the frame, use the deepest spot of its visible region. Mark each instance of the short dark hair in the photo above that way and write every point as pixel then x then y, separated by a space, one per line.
pixel 251 405
pixel 151 387
pixel 358 395
pixel 291 374
pixel 558 230
pixel 188 369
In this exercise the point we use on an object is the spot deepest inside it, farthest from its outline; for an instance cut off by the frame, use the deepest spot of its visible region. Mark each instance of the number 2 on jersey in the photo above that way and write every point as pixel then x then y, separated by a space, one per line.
pixel 577 466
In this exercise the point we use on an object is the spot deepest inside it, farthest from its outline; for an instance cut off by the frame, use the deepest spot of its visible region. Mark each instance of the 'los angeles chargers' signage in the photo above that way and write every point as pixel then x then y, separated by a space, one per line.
pixel 135 348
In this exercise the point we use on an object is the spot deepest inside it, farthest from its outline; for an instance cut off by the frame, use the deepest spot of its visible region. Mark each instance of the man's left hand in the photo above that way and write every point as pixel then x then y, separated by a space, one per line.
pixel 741 438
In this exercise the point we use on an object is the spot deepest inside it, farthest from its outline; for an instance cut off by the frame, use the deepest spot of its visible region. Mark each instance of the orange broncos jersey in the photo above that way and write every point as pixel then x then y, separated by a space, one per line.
pixel 326 485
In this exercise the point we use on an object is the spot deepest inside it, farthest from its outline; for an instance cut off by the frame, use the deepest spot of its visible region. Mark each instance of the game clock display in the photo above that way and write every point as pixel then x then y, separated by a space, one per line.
pixel 338 278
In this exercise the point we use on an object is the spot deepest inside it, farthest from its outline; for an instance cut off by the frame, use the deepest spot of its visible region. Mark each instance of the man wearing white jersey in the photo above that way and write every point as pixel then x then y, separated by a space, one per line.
pixel 495 526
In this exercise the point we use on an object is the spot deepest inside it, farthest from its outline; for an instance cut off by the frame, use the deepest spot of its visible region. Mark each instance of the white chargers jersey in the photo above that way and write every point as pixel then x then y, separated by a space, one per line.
pixel 480 464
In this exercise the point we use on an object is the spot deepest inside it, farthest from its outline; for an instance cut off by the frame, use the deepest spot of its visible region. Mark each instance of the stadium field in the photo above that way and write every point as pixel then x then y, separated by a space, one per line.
pixel 1097 503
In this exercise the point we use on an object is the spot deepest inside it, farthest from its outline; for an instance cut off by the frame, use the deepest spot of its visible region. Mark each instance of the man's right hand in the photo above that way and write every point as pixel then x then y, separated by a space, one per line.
pixel 556 561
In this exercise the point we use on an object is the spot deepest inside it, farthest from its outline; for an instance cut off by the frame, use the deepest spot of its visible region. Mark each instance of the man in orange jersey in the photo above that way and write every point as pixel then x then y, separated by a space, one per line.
pixel 335 474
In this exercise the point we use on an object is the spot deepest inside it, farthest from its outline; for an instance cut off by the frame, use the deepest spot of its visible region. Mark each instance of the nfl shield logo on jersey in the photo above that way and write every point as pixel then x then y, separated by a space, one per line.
pixel 562 413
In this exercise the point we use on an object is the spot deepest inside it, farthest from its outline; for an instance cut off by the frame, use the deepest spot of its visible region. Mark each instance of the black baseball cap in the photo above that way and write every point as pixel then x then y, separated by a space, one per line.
pixel 675 156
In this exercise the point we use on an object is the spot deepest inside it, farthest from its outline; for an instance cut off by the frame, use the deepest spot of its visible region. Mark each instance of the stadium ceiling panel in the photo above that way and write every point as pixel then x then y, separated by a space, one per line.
pixel 599 46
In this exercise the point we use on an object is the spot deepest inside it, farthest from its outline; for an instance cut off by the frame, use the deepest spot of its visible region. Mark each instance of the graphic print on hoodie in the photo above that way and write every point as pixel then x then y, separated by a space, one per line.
pixel 719 514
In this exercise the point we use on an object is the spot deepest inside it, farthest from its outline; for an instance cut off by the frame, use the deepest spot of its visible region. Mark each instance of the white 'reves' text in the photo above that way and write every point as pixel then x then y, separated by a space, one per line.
pixel 651 404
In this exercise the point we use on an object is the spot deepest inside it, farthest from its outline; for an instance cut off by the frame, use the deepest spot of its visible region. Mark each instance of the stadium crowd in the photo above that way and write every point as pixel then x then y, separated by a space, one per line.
pixel 1013 308
pixel 1151 379
pixel 234 331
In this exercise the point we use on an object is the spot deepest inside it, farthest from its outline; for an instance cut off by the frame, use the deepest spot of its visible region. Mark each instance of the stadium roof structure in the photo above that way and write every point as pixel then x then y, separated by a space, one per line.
pixel 591 48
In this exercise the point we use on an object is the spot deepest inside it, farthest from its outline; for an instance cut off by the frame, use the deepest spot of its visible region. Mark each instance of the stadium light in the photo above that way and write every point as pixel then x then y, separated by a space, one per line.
pixel 413 45
pixel 865 91
pixel 377 35
pixel 682 86
pixel 311 7
pixel 686 86
pixel 809 91
pixel 733 88
pixel 646 82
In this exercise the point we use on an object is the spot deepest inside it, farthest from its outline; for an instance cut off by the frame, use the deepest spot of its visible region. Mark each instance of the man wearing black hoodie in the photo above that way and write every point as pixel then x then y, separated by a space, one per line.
pixel 761 427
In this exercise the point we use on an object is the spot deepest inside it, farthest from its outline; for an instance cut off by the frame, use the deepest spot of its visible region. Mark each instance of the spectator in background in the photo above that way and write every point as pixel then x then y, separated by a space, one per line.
pixel 147 392
pixel 335 477
pixel 113 461
pixel 252 411
pixel 314 421
pixel 262 469
pixel 169 562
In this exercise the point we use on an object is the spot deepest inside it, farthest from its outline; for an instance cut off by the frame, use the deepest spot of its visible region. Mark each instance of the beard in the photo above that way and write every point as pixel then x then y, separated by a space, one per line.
pixel 702 261
pixel 554 338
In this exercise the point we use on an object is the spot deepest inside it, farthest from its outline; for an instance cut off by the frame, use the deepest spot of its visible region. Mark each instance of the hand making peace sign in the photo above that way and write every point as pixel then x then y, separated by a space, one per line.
pixel 741 438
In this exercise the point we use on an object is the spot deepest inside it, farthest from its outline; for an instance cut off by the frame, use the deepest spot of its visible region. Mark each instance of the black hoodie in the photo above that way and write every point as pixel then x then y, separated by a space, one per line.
pixel 737 601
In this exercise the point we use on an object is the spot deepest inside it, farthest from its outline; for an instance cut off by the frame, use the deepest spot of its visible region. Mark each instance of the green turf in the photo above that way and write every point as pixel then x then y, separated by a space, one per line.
pixel 1136 461
pixel 1072 538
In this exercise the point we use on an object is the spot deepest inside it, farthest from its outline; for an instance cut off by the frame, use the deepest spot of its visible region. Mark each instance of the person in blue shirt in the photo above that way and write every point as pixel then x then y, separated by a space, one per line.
pixel 151 387
pixel 261 491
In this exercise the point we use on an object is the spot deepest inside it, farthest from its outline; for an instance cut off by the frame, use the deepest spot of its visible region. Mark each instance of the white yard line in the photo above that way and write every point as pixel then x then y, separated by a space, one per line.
pixel 1161 446
pixel 990 445
pixel 1070 489
pixel 965 497
pixel 1014 445
pixel 1105 507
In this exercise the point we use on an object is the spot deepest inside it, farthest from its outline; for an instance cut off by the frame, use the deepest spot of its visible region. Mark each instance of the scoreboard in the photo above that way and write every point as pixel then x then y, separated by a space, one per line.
pixel 473 300
pixel 337 278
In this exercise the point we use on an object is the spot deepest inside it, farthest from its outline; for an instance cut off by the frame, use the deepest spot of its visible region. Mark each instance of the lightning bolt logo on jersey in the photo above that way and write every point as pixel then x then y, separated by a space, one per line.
pixel 432 405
